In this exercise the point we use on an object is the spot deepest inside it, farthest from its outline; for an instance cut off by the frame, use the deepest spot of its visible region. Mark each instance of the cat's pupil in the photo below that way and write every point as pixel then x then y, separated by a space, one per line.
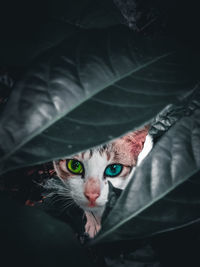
pixel 113 168
pixel 75 164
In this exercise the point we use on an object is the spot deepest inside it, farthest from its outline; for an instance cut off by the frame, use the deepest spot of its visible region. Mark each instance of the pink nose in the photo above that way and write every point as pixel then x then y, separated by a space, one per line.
pixel 91 196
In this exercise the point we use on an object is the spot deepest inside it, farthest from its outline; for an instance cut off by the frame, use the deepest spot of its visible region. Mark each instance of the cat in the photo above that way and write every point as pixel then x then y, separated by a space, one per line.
pixel 85 175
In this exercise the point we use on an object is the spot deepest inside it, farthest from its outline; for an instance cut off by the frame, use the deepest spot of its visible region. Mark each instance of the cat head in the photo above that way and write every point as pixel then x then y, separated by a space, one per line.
pixel 86 174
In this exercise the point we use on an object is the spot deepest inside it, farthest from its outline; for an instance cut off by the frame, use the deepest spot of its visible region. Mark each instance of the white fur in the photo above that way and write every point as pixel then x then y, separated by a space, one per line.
pixel 94 167
pixel 146 149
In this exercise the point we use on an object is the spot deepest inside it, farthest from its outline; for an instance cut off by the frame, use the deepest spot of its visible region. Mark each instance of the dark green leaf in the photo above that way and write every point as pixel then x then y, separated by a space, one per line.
pixel 29 237
pixel 87 14
pixel 157 199
pixel 27 49
pixel 88 90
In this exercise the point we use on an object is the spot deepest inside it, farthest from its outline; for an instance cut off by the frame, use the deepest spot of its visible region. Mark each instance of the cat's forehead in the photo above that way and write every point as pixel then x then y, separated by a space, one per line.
pixel 104 152
pixel 114 152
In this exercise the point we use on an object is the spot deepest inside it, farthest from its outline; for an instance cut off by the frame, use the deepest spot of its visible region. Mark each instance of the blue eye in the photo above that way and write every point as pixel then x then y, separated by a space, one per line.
pixel 113 170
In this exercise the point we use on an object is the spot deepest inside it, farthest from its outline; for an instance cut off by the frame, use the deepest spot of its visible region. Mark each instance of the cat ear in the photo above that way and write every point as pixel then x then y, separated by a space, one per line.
pixel 135 141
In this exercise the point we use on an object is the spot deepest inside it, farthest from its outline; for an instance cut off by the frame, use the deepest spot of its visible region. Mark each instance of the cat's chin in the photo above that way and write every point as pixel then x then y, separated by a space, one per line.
pixel 96 209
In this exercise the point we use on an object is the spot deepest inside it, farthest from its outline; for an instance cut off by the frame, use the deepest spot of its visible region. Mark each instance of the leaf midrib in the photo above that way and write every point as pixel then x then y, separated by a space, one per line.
pixel 143 208
pixel 35 133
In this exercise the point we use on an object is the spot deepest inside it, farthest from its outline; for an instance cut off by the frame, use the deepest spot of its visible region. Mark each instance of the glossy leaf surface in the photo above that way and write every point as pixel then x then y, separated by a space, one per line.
pixel 163 194
pixel 88 90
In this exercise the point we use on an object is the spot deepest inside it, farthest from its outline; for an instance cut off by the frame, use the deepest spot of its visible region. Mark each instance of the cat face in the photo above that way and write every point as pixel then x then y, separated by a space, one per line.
pixel 86 174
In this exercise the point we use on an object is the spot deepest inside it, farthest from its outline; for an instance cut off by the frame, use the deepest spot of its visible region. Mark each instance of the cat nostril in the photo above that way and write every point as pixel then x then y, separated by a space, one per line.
pixel 92 196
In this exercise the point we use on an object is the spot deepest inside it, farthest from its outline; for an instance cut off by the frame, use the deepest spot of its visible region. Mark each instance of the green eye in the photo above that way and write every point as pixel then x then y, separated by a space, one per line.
pixel 75 166
pixel 113 170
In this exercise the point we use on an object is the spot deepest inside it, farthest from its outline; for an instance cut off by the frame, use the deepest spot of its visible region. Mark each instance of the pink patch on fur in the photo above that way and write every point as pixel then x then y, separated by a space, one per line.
pixel 93 224
pixel 130 146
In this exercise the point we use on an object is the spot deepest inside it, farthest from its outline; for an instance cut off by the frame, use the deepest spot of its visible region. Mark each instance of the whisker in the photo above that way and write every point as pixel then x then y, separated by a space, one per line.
pixel 58 198
pixel 64 194
pixel 67 206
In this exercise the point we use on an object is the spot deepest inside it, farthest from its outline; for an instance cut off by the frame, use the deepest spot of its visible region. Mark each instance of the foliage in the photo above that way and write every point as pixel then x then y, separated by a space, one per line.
pixel 90 79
